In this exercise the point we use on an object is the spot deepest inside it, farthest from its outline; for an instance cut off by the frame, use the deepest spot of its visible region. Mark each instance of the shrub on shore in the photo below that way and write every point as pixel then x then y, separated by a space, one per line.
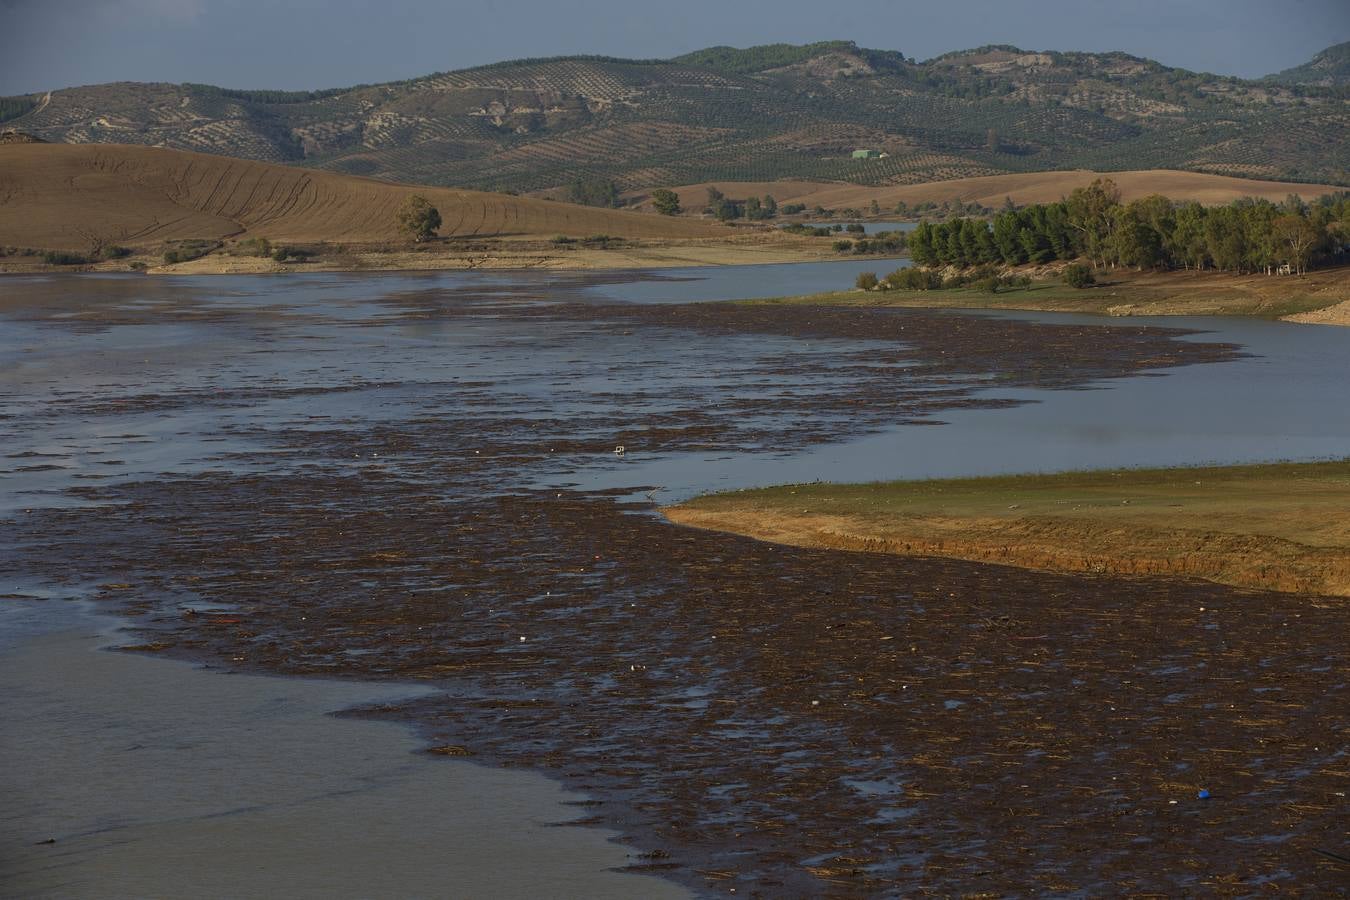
pixel 1079 275
pixel 912 279
pixel 62 258
pixel 808 230
pixel 291 254
pixel 188 250
pixel 258 246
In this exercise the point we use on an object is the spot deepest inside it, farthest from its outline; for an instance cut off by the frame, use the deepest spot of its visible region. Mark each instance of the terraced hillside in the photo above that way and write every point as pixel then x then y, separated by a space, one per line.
pixel 63 197
pixel 761 114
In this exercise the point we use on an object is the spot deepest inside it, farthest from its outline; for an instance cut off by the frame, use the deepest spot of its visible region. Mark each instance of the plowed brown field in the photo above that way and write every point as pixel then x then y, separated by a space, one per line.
pixel 57 195
pixel 990 190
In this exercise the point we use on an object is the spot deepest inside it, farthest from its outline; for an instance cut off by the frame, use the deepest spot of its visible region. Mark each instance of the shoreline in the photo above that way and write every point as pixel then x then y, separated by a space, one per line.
pixel 508 258
pixel 1321 297
pixel 520 255
pixel 1257 527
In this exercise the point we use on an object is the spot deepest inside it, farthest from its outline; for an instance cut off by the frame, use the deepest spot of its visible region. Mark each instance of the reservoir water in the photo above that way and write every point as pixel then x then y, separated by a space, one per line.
pixel 133 764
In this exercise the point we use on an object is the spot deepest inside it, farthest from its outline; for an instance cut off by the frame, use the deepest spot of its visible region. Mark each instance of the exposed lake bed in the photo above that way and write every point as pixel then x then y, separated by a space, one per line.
pixel 415 479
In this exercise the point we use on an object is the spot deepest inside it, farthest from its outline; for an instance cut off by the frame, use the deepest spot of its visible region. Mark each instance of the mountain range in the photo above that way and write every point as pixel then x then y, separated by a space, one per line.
pixel 1330 68
pixel 752 115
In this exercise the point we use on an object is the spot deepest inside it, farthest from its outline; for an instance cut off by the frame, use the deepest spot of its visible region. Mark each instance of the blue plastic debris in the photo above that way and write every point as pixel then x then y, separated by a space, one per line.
pixel 1203 795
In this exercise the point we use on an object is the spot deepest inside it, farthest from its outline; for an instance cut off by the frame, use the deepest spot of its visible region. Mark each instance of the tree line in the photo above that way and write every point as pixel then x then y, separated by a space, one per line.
pixel 752 208
pixel 1248 235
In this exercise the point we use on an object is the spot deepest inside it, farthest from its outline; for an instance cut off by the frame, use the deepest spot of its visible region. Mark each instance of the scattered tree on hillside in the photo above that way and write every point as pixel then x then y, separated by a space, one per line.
pixel 418 218
pixel 753 208
pixel 727 209
pixel 757 210
pixel 593 192
pixel 666 202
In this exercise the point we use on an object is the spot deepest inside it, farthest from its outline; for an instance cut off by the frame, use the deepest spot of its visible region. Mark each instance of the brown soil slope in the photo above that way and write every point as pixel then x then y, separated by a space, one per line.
pixel 1028 187
pixel 55 196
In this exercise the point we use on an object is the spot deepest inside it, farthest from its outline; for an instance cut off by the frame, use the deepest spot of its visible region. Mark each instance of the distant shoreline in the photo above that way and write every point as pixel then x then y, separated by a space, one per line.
pixel 750 249
pixel 1320 297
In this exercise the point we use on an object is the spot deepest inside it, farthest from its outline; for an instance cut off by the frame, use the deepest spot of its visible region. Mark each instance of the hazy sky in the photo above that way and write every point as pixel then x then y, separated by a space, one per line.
pixel 295 44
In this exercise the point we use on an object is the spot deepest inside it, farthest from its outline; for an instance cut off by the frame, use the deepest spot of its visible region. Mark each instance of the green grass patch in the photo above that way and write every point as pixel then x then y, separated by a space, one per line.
pixel 962 495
